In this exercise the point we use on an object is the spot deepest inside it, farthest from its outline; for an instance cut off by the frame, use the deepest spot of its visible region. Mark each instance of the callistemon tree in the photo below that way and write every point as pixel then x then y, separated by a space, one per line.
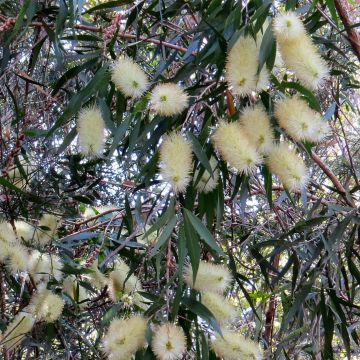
pixel 180 179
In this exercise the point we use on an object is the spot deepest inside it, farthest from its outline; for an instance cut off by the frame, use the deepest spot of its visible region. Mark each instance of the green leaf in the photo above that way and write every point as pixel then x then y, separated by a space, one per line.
pixel 165 235
pixel 203 231
pixel 200 153
pixel 193 246
pixel 107 5
pixel 268 183
pixel 199 309
pixel 163 219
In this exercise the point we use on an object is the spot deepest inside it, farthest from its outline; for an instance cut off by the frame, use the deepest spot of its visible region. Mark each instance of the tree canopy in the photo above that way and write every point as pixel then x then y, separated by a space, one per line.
pixel 180 179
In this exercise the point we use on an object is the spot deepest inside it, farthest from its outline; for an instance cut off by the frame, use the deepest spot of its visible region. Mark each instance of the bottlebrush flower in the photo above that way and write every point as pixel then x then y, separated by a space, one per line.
pixel 234 346
pixel 18 258
pixel 120 281
pixel 298 51
pixel 74 290
pixel 7 240
pixel 43 266
pixel 288 26
pixel 256 124
pixel 303 58
pixel 46 230
pixel 235 148
pixel 223 311
pixel 124 337
pixel 242 67
pixel 129 77
pixel 24 230
pixel 96 278
pixel 168 342
pixel 288 166
pixel 91 129
pixel 22 324
pixel 46 306
pixel 176 161
pixel 208 183
pixel 168 99
pixel 210 277
pixel 299 120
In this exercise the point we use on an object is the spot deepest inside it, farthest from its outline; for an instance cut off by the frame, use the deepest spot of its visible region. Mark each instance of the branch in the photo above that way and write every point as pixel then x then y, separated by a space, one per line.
pixel 121 35
pixel 343 9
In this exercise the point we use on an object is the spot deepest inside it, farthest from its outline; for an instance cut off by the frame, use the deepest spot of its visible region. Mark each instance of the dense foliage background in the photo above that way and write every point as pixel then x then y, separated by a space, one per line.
pixel 294 256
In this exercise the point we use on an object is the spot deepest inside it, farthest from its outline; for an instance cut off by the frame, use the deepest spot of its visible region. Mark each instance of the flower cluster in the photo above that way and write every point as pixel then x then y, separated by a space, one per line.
pixel 298 51
pixel 300 121
pixel 91 128
pixel 242 67
pixel 169 342
pixel 176 161
pixel 212 280
pixel 288 166
pixel 124 337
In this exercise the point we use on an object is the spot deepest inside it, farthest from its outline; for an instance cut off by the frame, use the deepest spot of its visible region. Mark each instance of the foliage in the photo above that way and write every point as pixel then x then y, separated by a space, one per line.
pixel 293 255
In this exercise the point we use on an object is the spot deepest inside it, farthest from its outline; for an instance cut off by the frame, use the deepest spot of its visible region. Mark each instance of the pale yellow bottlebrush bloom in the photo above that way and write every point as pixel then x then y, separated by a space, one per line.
pixel 299 120
pixel 46 306
pixel 168 342
pixel 303 58
pixel 223 311
pixel 129 78
pixel 124 337
pixel 242 67
pixel 7 240
pixel 176 161
pixel 22 324
pixel 208 183
pixel 210 277
pixel 256 124
pixel 288 26
pixel 46 229
pixel 91 127
pixel 74 290
pixel 235 148
pixel 119 282
pixel 168 99
pixel 234 346
pixel 298 51
pixel 288 166
pixel 24 230
pixel 96 278
pixel 44 266
pixel 18 258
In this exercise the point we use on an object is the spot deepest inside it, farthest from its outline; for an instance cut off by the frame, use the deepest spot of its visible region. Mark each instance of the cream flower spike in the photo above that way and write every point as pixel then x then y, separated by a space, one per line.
pixel 242 67
pixel 299 120
pixel 15 333
pixel 288 166
pixel 298 51
pixel 208 183
pixel 288 26
pixel 223 311
pixel 129 78
pixel 91 128
pixel 124 337
pixel 168 99
pixel 210 277
pixel 234 346
pixel 46 306
pixel 256 124
pixel 176 161
pixel 169 342
pixel 234 147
